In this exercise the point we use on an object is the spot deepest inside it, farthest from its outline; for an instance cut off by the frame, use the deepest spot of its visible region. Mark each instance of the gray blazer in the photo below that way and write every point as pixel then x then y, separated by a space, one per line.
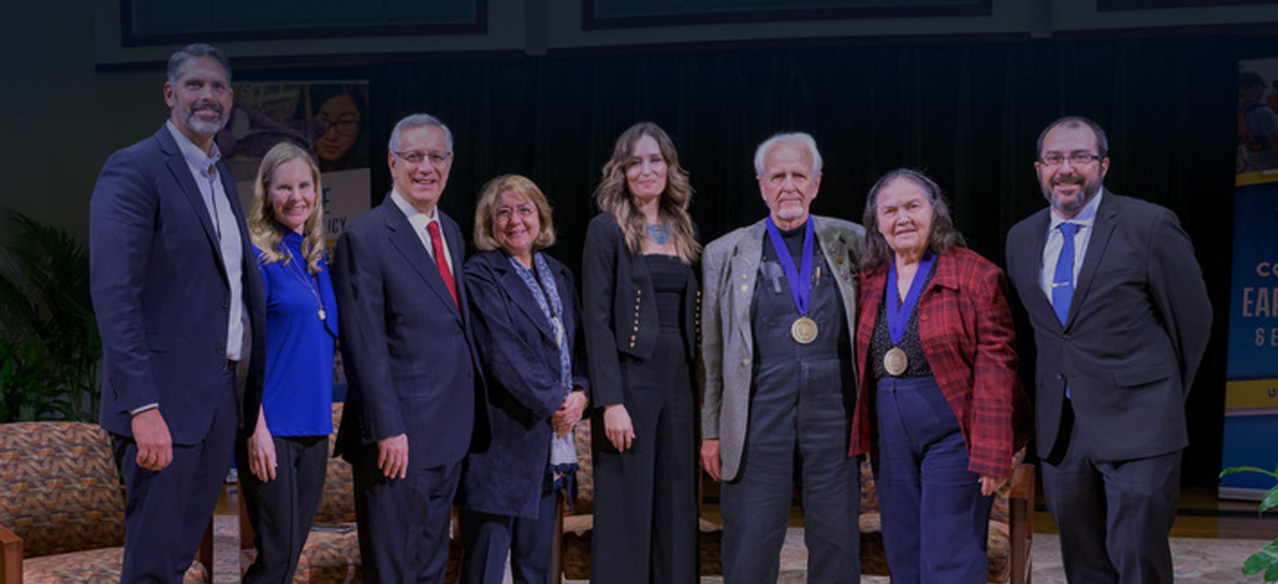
pixel 730 268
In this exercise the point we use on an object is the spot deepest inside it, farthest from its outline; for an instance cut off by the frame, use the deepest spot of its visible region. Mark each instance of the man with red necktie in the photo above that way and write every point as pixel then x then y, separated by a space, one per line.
pixel 416 403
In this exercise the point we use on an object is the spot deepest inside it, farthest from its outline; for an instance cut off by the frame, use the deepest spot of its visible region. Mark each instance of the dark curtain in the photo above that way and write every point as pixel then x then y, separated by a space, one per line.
pixel 967 115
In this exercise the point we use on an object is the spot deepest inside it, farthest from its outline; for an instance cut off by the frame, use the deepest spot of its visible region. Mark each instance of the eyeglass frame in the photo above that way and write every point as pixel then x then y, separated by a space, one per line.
pixel 352 126
pixel 435 158
pixel 1075 159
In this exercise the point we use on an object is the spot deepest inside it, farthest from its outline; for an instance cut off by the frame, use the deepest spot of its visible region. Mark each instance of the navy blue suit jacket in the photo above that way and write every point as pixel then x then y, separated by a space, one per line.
pixel 161 295
pixel 409 358
pixel 521 364
pixel 1137 329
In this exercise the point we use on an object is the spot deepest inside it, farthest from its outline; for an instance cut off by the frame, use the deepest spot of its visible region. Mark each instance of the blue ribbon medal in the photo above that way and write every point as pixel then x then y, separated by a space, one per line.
pixel 898 313
pixel 804 330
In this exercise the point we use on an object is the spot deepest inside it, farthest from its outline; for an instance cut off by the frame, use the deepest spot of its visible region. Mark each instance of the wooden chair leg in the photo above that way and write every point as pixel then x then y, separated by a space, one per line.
pixel 11 558
pixel 205 552
pixel 557 546
pixel 1020 530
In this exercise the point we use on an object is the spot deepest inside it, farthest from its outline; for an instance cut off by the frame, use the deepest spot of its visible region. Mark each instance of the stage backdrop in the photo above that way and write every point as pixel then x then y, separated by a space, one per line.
pixel 329 119
pixel 1251 392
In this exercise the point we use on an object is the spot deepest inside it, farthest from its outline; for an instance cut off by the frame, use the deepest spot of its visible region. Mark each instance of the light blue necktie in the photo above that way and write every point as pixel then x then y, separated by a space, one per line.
pixel 1063 279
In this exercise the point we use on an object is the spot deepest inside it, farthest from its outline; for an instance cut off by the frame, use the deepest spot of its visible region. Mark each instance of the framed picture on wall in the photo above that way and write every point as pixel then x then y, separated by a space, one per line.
pixel 601 14
pixel 164 22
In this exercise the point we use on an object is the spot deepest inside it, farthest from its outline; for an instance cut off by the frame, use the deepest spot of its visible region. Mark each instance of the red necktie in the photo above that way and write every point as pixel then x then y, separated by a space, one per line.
pixel 437 243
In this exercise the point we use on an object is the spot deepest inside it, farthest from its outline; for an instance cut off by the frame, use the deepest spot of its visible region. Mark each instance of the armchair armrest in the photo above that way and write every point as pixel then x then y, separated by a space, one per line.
pixel 10 557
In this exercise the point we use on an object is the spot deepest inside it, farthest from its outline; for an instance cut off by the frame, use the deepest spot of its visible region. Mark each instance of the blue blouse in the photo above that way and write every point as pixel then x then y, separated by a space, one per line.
pixel 298 393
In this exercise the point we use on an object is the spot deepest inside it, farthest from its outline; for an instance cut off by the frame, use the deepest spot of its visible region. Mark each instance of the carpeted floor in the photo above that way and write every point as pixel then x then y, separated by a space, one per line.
pixel 1197 561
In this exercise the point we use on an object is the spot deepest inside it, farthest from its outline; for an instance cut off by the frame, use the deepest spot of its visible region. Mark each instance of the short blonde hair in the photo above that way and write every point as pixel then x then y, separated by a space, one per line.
pixel 492 192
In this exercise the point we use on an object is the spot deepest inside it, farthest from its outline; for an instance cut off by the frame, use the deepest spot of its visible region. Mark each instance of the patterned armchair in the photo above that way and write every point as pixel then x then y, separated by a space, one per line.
pixel 62 505
pixel 1010 535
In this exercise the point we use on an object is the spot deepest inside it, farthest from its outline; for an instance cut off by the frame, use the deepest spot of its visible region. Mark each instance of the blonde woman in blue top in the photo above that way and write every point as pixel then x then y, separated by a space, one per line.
pixel 283 460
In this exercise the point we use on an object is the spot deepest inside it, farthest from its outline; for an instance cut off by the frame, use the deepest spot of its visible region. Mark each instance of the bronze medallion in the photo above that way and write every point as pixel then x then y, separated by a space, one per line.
pixel 804 330
pixel 895 361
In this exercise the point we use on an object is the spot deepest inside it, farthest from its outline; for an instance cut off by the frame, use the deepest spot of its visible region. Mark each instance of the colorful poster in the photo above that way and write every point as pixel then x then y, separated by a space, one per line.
pixel 1251 389
pixel 329 119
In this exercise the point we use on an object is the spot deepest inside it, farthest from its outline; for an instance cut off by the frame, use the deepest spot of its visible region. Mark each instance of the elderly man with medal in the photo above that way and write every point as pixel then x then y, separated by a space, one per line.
pixel 939 406
pixel 779 307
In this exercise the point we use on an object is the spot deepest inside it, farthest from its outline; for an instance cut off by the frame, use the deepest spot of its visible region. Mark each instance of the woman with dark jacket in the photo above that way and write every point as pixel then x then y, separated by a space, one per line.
pixel 527 329
pixel 939 398
pixel 641 303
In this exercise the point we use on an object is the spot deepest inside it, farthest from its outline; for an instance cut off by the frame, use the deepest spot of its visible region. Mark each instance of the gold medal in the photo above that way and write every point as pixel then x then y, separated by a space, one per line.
pixel 804 330
pixel 895 361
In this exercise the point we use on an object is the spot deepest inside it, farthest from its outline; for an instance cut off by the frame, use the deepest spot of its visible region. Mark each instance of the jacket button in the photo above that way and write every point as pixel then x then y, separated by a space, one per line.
pixel 638 292
pixel 743 276
pixel 632 345
pixel 838 260
pixel 632 339
pixel 745 288
pixel 745 361
pixel 636 329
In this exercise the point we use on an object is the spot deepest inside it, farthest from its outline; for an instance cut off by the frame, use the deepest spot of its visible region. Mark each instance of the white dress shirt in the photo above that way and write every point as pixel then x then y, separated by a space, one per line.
pixel 420 221
pixel 1086 221
pixel 204 171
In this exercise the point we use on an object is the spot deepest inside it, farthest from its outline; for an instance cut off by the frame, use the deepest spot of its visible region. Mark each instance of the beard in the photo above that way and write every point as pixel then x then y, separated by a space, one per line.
pixel 202 126
pixel 1087 191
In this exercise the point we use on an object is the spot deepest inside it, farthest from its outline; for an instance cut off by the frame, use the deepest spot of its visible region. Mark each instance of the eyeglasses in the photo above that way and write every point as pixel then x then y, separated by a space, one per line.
pixel 1076 159
pixel 415 157
pixel 343 127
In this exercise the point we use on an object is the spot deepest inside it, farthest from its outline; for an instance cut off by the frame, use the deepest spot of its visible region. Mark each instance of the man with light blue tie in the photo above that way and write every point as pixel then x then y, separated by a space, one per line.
pixel 1121 320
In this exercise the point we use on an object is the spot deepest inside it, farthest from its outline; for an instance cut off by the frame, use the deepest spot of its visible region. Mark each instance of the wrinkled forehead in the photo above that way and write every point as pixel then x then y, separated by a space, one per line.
pixel 786 156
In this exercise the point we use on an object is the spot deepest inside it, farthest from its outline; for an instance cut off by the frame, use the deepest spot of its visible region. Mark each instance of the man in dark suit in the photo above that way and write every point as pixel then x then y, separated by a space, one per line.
pixel 180 309
pixel 1121 320
pixel 415 399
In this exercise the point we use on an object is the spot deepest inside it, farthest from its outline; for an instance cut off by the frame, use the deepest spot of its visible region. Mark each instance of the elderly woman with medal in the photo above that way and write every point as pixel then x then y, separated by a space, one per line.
pixel 940 406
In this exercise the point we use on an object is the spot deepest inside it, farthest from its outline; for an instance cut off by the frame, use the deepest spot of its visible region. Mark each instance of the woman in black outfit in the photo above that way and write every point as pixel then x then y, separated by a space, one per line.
pixel 641 308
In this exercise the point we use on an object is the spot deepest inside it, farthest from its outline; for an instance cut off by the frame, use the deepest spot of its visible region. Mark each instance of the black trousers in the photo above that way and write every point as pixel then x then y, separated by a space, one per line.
pixel 489 537
pixel 403 523
pixel 797 420
pixel 646 498
pixel 1114 517
pixel 167 511
pixel 281 510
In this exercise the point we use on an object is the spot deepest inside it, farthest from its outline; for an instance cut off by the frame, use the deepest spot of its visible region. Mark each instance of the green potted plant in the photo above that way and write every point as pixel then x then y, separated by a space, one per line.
pixel 1265 560
pixel 50 352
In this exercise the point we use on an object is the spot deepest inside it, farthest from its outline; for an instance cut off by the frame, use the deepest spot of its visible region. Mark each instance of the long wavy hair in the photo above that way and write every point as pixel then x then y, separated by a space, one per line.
pixel 265 230
pixel 943 237
pixel 613 195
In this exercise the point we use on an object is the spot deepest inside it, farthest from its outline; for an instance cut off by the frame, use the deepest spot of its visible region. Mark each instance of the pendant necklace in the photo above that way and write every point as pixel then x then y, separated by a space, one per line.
pixel 312 287
pixel 659 233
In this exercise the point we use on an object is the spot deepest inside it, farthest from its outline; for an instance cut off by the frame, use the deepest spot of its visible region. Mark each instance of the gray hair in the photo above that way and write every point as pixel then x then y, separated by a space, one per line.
pixel 177 61
pixel 416 121
pixel 801 137
pixel 943 238
pixel 1102 142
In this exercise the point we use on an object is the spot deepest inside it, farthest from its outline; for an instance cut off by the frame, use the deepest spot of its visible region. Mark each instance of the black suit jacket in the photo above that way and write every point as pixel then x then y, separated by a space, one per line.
pixel 161 295
pixel 619 308
pixel 1137 329
pixel 520 353
pixel 406 346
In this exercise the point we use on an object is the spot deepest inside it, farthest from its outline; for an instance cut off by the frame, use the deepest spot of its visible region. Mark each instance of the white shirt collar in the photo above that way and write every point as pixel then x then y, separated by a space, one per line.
pixel 418 219
pixel 195 157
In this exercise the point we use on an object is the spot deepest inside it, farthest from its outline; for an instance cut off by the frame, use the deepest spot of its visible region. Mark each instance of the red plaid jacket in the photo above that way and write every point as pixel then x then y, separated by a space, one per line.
pixel 965 324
